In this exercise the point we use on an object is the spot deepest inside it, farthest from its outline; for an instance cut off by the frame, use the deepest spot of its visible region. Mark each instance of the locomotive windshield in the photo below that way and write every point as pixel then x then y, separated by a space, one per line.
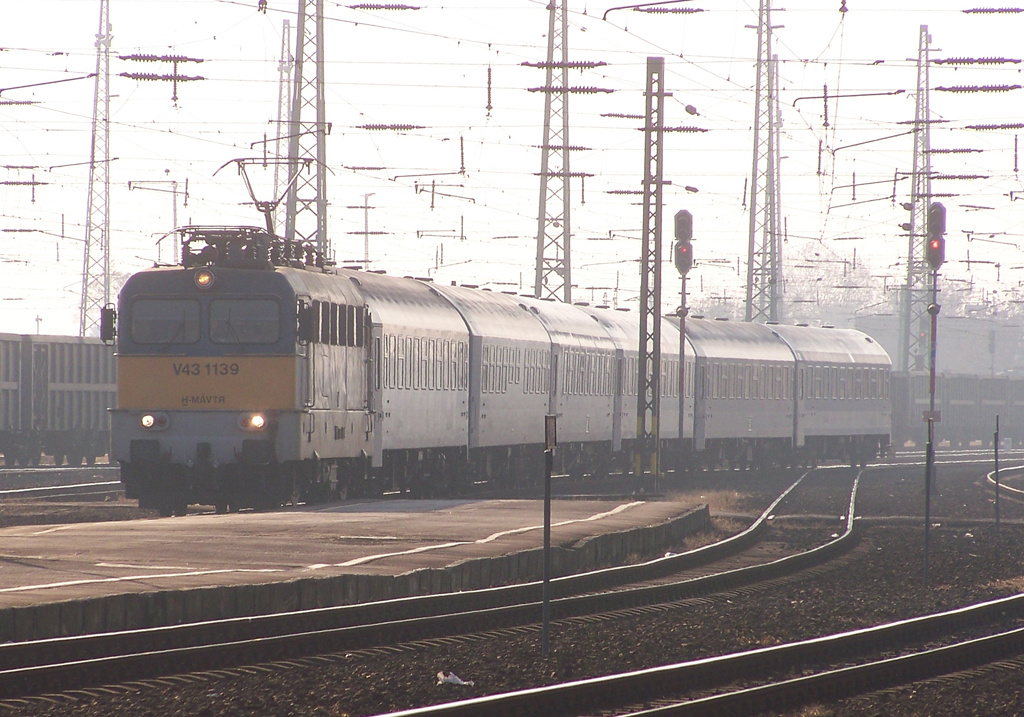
pixel 231 321
pixel 165 321
pixel 244 321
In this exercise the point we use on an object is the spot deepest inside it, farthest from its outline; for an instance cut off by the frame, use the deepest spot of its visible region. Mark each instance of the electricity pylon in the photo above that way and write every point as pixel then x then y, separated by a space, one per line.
pixel 306 205
pixel 96 266
pixel 554 265
pixel 554 268
pixel 915 320
pixel 764 249
pixel 284 97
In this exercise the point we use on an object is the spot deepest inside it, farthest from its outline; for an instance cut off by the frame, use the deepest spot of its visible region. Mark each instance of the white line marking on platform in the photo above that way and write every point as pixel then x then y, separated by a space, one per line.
pixel 131 578
pixel 490 538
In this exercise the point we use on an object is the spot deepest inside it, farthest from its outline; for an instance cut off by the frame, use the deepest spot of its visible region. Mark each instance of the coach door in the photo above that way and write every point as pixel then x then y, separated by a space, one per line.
pixel 374 390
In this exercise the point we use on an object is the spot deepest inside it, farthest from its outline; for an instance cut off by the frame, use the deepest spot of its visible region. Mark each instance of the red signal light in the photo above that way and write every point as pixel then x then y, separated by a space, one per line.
pixel 936 252
pixel 682 255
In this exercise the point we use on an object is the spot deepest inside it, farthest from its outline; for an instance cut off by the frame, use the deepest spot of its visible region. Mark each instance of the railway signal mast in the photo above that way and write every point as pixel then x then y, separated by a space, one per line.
pixel 682 255
pixel 936 254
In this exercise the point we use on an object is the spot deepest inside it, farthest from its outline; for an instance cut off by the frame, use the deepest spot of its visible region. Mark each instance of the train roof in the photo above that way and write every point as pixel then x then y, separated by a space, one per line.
pixel 736 340
pixel 624 329
pixel 568 325
pixel 491 314
pixel 398 302
pixel 834 346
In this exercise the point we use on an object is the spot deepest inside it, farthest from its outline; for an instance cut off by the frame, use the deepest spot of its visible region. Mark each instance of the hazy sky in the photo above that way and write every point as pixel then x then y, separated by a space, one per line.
pixel 430 67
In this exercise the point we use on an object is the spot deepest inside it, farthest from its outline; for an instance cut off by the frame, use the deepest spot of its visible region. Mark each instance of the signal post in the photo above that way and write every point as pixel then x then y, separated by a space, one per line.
pixel 935 252
pixel 682 256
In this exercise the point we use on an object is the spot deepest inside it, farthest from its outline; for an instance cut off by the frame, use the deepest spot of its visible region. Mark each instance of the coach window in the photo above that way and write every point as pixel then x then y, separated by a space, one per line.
pixel 165 321
pixel 390 360
pixel 335 310
pixel 343 321
pixel 325 323
pixel 502 369
pixel 461 365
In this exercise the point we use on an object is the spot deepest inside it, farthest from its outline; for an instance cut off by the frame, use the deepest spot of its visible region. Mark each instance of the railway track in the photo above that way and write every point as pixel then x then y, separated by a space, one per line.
pixel 97 482
pixel 69 663
pixel 826 662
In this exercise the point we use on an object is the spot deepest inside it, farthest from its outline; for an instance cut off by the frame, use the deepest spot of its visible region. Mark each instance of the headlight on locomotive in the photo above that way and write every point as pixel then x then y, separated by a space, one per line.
pixel 155 421
pixel 252 421
pixel 204 278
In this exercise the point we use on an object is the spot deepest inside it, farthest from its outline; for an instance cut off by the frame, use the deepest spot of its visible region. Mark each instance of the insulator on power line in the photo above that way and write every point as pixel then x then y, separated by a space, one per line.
pixel 1005 125
pixel 669 10
pixel 151 77
pixel 976 61
pixel 573 90
pixel 397 127
pixel 159 58
pixel 995 10
pixel 379 6
pixel 978 88
pixel 575 65
pixel 562 147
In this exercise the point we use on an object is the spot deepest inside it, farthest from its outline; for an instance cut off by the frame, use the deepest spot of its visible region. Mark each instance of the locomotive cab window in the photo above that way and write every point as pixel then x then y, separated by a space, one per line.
pixel 165 321
pixel 244 321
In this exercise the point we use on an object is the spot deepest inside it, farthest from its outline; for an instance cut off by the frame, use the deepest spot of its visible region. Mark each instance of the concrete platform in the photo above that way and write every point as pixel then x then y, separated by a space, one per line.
pixel 329 555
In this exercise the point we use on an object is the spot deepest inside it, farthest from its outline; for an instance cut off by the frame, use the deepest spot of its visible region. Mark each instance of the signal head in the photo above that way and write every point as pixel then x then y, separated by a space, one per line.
pixel 682 256
pixel 684 225
pixel 935 251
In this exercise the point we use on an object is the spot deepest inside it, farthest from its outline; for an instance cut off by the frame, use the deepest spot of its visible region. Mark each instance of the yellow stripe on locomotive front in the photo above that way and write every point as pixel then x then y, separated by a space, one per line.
pixel 204 383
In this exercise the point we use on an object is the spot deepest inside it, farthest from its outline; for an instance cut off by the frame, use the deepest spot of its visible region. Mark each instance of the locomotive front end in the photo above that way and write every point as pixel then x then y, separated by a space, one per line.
pixel 211 390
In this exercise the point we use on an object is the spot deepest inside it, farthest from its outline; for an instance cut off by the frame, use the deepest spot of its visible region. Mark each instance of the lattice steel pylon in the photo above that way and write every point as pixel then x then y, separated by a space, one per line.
pixel 285 67
pixel 96 265
pixel 554 267
pixel 648 395
pixel 306 206
pixel 764 249
pixel 915 321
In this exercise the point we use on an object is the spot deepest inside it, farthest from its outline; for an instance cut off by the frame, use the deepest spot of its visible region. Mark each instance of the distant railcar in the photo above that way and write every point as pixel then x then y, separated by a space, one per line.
pixel 55 392
pixel 966 405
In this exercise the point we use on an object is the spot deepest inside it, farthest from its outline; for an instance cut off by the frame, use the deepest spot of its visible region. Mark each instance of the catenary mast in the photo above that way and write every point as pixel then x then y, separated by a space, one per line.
pixel 96 268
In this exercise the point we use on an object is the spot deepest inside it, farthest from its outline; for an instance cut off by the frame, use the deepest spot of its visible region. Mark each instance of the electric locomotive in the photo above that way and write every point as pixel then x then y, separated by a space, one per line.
pixel 242 376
